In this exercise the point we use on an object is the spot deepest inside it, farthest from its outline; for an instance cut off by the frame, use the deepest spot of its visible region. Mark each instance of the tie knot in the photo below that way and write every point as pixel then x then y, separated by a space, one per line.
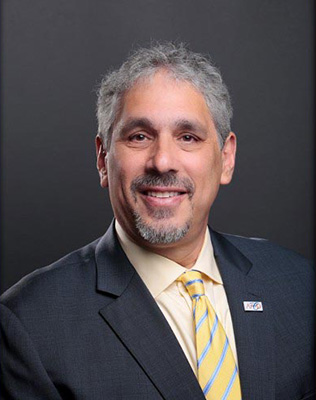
pixel 193 282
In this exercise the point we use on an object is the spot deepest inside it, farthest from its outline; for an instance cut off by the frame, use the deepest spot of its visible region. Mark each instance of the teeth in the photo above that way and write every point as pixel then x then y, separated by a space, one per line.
pixel 162 194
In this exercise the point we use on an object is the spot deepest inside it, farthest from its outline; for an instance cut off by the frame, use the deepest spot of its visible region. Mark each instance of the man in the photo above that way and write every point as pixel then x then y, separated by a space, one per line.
pixel 162 307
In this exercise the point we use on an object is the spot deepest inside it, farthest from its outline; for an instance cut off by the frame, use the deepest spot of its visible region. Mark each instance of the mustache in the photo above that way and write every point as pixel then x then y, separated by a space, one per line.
pixel 166 179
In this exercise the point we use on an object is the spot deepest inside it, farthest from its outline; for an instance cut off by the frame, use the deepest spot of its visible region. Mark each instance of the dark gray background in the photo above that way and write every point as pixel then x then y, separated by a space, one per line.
pixel 54 54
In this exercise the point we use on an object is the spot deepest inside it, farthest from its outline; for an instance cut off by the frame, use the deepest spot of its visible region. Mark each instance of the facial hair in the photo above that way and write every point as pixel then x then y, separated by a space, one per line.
pixel 167 233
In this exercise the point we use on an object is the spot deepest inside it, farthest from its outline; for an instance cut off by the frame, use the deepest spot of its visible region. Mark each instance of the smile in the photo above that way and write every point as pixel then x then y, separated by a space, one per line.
pixel 163 194
pixel 162 197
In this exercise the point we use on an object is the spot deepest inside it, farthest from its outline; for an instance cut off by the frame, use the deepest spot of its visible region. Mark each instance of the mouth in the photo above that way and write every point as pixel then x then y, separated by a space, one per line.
pixel 163 194
pixel 162 190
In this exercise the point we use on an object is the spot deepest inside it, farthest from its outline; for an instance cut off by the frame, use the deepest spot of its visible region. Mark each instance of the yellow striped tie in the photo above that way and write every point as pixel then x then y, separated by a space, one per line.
pixel 217 371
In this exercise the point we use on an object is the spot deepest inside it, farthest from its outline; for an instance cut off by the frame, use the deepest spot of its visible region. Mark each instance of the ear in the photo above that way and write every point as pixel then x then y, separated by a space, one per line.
pixel 101 162
pixel 228 158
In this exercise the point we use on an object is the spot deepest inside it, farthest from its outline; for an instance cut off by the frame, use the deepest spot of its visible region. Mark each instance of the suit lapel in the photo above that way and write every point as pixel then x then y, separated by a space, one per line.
pixel 253 330
pixel 137 320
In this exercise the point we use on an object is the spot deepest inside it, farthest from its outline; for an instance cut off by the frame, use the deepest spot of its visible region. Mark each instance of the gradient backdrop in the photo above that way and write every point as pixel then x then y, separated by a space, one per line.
pixel 53 56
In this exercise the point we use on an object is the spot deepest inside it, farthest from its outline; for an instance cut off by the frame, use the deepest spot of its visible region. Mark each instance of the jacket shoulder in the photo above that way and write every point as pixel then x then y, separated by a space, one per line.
pixel 54 281
pixel 275 258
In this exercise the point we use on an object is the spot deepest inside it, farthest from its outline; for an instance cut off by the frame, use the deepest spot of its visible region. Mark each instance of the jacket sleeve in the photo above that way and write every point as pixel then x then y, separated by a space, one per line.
pixel 23 375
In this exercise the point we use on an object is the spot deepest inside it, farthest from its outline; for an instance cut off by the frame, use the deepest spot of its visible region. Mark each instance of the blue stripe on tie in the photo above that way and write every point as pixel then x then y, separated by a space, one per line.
pixel 202 319
pixel 207 347
pixel 216 371
pixel 197 296
pixel 214 326
pixel 227 391
pixel 193 281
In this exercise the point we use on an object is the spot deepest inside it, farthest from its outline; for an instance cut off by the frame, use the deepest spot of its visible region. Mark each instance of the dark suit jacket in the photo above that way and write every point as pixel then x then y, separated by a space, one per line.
pixel 86 327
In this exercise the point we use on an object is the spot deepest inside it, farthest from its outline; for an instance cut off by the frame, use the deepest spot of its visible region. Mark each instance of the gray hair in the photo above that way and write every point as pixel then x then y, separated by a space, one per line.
pixel 183 65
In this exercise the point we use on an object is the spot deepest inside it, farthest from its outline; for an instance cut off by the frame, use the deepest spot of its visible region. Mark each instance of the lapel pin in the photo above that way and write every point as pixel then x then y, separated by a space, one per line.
pixel 253 306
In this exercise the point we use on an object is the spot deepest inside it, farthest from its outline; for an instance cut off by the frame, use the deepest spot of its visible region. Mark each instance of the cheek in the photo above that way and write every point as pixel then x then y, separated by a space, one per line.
pixel 115 174
pixel 121 173
pixel 205 167
pixel 207 178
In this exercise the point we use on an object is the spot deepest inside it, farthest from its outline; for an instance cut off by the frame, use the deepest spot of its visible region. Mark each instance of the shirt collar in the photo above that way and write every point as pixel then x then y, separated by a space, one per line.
pixel 159 272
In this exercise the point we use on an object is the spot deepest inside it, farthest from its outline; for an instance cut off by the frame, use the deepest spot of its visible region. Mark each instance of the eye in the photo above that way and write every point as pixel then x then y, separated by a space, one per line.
pixel 187 138
pixel 138 137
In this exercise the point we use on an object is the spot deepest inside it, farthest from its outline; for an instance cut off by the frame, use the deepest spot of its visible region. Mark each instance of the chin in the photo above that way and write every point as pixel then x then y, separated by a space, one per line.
pixel 161 233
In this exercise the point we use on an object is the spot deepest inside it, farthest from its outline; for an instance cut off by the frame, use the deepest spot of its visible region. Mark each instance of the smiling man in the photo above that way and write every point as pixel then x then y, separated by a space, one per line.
pixel 164 166
pixel 163 307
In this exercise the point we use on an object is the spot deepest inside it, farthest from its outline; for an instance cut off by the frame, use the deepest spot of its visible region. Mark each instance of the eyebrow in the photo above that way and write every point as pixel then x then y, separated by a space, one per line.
pixel 132 123
pixel 193 126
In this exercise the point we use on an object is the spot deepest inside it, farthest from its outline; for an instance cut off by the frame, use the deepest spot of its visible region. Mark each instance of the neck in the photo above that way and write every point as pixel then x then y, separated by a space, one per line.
pixel 184 252
pixel 185 255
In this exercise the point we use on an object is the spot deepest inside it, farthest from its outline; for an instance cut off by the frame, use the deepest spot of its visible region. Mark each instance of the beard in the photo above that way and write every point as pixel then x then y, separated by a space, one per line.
pixel 159 231
pixel 164 234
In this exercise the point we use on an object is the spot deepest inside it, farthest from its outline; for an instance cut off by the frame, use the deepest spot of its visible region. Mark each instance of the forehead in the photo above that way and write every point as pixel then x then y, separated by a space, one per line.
pixel 161 97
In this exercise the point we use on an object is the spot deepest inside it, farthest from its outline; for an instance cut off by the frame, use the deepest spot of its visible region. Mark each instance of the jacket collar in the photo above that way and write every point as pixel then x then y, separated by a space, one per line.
pixel 229 254
pixel 114 271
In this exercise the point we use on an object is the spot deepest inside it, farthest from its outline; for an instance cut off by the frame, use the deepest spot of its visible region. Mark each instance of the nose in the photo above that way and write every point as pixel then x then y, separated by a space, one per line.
pixel 163 156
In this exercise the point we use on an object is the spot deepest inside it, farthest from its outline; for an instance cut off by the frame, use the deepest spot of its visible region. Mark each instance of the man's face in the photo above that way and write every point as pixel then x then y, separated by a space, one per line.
pixel 164 165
